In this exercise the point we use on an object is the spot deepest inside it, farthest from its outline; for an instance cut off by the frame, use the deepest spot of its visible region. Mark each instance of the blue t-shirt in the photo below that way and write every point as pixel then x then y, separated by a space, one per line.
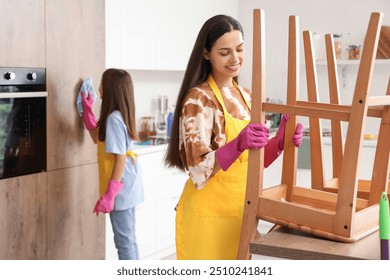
pixel 118 142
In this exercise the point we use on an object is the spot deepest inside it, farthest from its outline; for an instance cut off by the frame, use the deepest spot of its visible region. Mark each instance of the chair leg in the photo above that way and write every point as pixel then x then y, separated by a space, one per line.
pixel 316 159
pixel 380 177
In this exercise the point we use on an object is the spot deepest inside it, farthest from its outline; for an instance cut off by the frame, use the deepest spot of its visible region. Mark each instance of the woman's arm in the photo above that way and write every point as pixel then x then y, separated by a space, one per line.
pixel 201 134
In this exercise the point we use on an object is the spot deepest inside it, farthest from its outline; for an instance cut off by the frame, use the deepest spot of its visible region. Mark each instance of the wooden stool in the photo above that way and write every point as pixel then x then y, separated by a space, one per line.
pixel 340 215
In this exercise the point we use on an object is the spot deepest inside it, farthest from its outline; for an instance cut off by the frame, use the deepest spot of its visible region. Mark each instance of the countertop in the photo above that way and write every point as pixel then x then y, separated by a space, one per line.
pixel 146 148
pixel 327 140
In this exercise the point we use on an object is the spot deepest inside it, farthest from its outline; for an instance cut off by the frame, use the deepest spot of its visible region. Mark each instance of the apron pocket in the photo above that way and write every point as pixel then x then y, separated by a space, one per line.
pixel 222 196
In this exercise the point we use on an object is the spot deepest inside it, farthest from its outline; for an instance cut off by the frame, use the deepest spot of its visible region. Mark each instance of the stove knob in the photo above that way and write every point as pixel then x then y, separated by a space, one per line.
pixel 32 76
pixel 9 75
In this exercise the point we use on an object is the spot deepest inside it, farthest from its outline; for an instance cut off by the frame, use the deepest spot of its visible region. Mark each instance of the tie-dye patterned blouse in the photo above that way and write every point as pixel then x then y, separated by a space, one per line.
pixel 202 127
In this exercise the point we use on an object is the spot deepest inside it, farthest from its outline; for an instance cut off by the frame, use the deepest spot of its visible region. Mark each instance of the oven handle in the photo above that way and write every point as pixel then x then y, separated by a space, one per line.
pixel 23 94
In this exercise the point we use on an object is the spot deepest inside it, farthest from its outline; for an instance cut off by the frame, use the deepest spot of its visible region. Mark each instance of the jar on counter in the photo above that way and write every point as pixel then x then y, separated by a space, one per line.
pixel 337 45
pixel 147 128
pixel 353 52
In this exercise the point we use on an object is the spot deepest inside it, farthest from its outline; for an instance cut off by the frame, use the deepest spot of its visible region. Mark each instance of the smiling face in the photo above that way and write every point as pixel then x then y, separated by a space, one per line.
pixel 226 57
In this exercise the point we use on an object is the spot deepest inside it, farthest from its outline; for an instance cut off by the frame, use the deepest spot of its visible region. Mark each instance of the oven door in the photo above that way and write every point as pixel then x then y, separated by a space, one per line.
pixel 22 133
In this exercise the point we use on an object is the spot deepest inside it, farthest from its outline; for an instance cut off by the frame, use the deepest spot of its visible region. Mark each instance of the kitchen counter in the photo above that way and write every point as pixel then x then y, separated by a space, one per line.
pixel 146 148
pixel 365 143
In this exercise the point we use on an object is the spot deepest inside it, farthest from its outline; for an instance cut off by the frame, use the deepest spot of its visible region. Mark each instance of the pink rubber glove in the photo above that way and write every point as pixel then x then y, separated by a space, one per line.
pixel 276 145
pixel 105 204
pixel 253 136
pixel 88 115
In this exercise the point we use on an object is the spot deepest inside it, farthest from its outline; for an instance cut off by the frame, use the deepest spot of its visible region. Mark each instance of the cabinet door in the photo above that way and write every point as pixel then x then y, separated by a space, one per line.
pixel 165 222
pixel 113 33
pixel 155 34
pixel 152 169
pixel 23 33
pixel 146 229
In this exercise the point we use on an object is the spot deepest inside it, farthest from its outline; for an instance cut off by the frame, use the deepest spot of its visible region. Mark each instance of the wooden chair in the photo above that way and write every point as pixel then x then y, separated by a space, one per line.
pixel 338 215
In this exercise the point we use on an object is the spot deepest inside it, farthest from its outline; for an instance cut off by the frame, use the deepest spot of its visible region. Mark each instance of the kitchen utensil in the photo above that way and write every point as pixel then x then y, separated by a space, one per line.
pixel 162 106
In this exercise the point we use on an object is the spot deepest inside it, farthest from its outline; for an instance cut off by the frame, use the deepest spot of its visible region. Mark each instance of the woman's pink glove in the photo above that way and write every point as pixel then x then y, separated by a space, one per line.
pixel 253 136
pixel 88 115
pixel 105 204
pixel 276 145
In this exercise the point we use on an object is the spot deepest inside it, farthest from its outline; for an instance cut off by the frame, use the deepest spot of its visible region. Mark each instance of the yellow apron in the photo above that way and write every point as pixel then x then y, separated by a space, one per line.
pixel 208 221
pixel 106 164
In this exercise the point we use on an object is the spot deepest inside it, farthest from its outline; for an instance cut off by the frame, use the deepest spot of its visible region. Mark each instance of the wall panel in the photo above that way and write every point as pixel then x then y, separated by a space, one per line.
pixel 73 231
pixel 22 33
pixel 23 217
pixel 75 51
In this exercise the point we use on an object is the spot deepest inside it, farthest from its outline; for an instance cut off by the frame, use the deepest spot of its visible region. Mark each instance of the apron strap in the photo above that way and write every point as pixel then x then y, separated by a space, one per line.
pixel 218 95
pixel 132 155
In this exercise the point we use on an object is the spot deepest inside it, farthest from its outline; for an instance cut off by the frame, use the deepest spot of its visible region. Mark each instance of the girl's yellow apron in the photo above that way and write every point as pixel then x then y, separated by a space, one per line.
pixel 208 221
pixel 106 165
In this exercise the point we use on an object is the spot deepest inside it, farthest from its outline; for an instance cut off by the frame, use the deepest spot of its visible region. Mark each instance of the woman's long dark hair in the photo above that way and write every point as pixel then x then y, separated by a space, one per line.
pixel 118 94
pixel 198 69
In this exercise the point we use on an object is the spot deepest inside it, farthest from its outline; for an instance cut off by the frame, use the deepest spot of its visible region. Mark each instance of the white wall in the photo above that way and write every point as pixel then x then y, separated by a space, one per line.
pixel 148 85
pixel 348 17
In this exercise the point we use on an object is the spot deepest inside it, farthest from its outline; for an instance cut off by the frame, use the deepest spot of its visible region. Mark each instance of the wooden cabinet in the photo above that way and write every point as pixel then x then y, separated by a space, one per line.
pixel 23 217
pixel 22 33
pixel 75 51
pixel 48 215
pixel 155 217
pixel 155 34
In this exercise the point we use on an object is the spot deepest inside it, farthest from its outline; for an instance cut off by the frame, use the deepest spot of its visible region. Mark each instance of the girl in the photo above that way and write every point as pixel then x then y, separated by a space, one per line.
pixel 209 139
pixel 121 186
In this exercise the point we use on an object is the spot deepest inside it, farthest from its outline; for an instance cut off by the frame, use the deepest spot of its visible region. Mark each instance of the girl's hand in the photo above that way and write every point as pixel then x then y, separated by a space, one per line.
pixel 88 115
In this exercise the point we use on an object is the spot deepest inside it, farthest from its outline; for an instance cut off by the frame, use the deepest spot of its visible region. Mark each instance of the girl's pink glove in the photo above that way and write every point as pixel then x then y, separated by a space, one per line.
pixel 88 115
pixel 253 136
pixel 105 204
pixel 276 145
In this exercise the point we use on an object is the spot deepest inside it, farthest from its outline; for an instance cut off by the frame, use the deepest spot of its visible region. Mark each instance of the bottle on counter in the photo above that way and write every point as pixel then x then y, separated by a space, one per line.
pixel 170 120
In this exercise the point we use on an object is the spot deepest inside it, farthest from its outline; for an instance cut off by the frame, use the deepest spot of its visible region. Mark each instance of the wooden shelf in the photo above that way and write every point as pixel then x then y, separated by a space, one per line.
pixel 353 62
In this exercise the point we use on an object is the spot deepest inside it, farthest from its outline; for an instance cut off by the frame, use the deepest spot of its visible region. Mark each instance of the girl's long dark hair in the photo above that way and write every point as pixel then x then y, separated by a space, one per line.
pixel 198 69
pixel 118 94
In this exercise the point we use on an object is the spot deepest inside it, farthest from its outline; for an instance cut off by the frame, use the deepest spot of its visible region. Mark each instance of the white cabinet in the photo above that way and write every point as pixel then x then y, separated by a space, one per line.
pixel 366 163
pixel 163 188
pixel 157 34
pixel 272 174
pixel 155 217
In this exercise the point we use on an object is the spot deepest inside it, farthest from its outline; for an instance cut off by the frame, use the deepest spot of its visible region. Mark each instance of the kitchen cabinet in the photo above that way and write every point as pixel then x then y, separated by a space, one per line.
pixel 367 155
pixel 157 35
pixel 155 217
pixel 48 215
pixel 23 33
pixel 272 174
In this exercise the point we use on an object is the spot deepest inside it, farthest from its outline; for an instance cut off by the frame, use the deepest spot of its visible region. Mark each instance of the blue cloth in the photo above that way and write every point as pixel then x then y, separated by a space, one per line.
pixel 123 226
pixel 85 88
pixel 118 141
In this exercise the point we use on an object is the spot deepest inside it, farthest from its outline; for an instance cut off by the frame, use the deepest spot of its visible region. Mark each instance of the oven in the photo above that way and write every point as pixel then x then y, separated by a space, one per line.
pixel 22 121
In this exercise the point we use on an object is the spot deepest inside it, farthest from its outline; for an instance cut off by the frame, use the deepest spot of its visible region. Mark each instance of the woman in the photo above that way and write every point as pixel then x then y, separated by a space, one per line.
pixel 121 186
pixel 210 138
